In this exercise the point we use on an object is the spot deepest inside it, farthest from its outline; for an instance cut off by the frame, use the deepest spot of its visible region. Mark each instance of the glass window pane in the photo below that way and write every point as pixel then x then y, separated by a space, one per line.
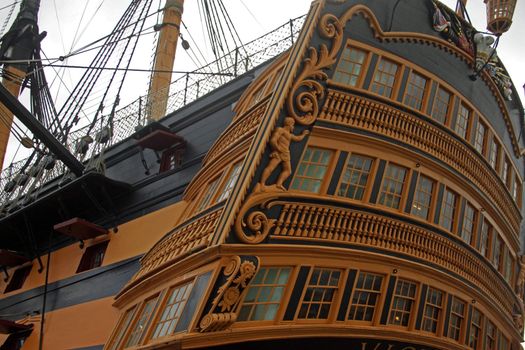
pixel 315 164
pixel 176 300
pixel 264 294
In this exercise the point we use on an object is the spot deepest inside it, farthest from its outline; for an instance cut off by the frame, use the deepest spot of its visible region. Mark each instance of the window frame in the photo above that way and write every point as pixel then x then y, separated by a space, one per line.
pixel 493 157
pixel 433 198
pixel 404 191
pixel 487 244
pixel 468 124
pixel 174 153
pixel 212 188
pixel 87 261
pixel 449 105
pixel 120 334
pixel 475 141
pixel 335 297
pixel 162 303
pixel 463 318
pixel 413 307
pixel 424 96
pixel 234 168
pixel 474 224
pixel 396 76
pixel 365 66
pixel 376 314
pixel 498 246
pixel 455 212
pixel 503 339
pixel 441 308
pixel 492 336
pixel 145 332
pixel 18 278
pixel 282 303
pixel 325 180
pixel 479 327
pixel 369 182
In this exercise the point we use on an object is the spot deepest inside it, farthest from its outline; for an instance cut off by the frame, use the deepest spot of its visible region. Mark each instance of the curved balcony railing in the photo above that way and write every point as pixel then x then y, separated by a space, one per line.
pixel 367 114
pixel 323 220
pixel 243 127
pixel 182 240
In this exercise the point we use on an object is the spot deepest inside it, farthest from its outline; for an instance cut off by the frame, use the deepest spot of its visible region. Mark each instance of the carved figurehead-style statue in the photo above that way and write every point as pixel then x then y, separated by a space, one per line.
pixel 280 142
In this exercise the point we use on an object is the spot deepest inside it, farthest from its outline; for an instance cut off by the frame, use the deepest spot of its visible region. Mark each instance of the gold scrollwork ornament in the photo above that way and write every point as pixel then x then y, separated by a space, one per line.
pixel 307 90
pixel 258 226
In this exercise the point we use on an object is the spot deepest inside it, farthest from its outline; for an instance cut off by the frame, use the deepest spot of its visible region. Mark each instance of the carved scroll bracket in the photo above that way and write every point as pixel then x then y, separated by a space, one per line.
pixel 307 91
pixel 252 226
pixel 236 277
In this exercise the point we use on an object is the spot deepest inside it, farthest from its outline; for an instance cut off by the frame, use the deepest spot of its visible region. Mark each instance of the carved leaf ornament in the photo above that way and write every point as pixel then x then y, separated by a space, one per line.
pixel 224 307
pixel 307 91
pixel 303 104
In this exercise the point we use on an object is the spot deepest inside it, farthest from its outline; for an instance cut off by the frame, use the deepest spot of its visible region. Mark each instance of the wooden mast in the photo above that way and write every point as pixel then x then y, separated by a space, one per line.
pixel 18 44
pixel 12 82
pixel 164 58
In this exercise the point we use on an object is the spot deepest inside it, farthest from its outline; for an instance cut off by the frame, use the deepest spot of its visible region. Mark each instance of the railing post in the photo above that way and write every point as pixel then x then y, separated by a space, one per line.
pixel 140 110
pixel 236 61
pixel 186 88
pixel 198 87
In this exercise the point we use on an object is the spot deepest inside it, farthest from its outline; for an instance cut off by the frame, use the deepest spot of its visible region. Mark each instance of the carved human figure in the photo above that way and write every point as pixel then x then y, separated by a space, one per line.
pixel 280 142
pixel 521 278
pixel 483 49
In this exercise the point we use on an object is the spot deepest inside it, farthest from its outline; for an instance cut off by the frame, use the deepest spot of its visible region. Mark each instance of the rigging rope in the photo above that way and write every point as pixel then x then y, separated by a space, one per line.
pixel 8 17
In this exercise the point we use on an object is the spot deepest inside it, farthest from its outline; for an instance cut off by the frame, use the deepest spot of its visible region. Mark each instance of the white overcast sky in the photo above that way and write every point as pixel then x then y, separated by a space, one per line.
pixel 253 18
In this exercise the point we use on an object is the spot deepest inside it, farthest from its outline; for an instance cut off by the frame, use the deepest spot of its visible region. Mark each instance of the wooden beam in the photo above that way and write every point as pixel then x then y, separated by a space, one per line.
pixel 13 105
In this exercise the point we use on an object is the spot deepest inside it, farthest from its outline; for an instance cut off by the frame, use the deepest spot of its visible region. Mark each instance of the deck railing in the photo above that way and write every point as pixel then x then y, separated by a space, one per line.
pixel 126 120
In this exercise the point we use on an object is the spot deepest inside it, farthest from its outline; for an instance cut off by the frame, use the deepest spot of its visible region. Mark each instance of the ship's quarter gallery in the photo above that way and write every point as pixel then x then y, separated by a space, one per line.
pixel 366 194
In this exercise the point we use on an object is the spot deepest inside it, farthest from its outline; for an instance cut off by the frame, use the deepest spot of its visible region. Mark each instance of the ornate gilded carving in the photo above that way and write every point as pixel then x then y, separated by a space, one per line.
pixel 483 49
pixel 486 58
pixel 307 90
pixel 451 28
pixel 280 145
pixel 237 275
pixel 252 227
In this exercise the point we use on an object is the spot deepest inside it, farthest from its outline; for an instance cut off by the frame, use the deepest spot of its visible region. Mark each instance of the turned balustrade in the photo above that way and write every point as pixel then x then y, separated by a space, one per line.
pixel 320 223
pixel 196 233
pixel 362 113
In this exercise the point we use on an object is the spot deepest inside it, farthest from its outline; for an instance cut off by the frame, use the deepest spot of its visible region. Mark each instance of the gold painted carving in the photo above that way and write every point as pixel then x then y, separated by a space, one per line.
pixel 303 100
pixel 303 108
pixel 280 144
pixel 223 312
pixel 252 227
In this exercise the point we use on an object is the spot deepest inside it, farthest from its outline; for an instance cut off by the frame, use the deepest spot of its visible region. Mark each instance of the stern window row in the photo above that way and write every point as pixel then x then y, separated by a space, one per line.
pixel 431 98
pixel 373 180
pixel 373 298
